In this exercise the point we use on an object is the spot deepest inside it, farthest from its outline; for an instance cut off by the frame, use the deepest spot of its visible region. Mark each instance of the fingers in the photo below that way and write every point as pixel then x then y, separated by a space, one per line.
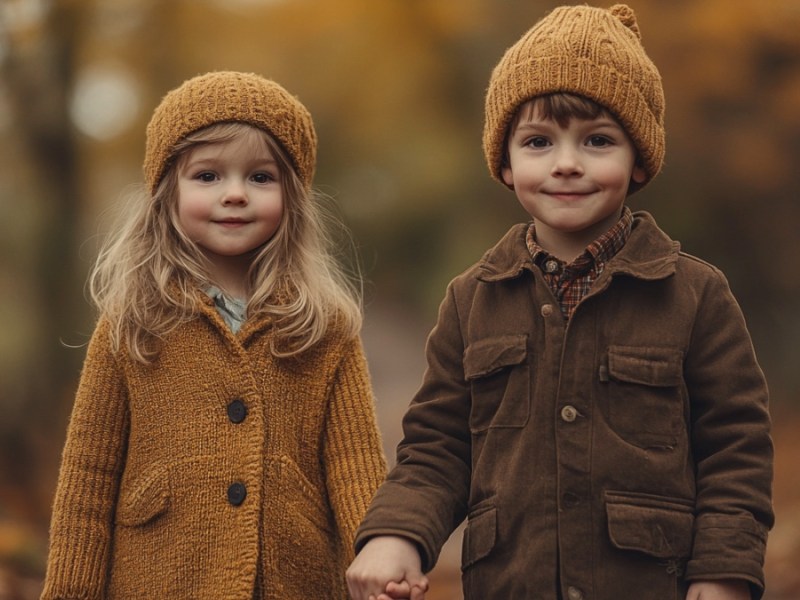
pixel 403 590
pixel 365 588
pixel 394 590
pixel 386 560
pixel 372 585
pixel 418 591
pixel 397 590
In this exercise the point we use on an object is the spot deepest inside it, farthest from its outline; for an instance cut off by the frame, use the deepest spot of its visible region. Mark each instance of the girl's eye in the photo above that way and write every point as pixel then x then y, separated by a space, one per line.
pixel 598 141
pixel 538 142
pixel 263 178
pixel 205 176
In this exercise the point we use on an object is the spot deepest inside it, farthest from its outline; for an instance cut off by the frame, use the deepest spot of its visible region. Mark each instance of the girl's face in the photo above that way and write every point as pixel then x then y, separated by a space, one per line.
pixel 230 200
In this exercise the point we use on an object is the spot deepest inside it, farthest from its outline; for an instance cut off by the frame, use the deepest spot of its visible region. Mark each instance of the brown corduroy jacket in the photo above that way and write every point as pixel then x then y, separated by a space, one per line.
pixel 215 466
pixel 619 455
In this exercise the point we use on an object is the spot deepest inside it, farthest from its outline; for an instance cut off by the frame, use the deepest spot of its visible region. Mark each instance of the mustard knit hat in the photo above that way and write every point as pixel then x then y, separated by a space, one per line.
pixel 229 96
pixel 592 52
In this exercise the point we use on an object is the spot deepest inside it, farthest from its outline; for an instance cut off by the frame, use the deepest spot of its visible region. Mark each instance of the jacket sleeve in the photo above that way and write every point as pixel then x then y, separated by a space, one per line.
pixel 353 453
pixel 426 493
pixel 91 464
pixel 731 443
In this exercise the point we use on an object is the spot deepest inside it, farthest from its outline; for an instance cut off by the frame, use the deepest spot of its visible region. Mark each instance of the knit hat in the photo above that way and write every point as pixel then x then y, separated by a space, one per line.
pixel 226 96
pixel 591 52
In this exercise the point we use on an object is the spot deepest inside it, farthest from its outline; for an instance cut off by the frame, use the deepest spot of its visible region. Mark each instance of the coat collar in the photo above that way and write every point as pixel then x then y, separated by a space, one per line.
pixel 649 254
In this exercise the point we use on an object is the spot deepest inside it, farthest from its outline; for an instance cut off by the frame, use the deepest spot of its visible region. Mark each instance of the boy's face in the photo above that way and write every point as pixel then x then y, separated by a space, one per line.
pixel 571 180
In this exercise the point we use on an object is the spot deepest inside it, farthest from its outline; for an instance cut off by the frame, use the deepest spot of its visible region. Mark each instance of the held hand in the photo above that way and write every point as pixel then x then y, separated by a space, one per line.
pixel 724 589
pixel 403 591
pixel 386 559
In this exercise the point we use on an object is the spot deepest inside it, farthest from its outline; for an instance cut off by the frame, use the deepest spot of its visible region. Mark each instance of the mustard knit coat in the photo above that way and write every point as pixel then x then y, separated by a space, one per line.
pixel 214 468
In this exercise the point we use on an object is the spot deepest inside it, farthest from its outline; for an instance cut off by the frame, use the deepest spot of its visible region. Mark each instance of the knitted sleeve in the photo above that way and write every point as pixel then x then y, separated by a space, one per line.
pixel 91 464
pixel 354 461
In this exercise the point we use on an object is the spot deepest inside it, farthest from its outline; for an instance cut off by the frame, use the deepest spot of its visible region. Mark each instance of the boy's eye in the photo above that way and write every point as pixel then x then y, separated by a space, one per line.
pixel 598 141
pixel 538 142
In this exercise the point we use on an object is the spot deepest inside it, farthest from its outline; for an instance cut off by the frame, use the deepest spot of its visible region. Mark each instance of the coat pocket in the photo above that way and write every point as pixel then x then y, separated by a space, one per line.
pixel 644 394
pixel 144 499
pixel 480 535
pixel 499 376
pixel 658 526
pixel 300 533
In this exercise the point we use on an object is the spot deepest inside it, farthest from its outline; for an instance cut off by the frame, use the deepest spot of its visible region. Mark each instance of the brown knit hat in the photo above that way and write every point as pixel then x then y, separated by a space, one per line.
pixel 229 96
pixel 592 52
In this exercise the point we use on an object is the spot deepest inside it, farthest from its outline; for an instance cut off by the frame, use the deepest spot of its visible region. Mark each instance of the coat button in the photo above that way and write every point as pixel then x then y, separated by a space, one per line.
pixel 547 310
pixel 237 411
pixel 574 593
pixel 569 413
pixel 551 266
pixel 237 493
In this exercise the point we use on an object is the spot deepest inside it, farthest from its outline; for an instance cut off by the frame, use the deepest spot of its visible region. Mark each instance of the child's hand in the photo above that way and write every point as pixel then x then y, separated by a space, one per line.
pixel 724 589
pixel 383 561
pixel 402 591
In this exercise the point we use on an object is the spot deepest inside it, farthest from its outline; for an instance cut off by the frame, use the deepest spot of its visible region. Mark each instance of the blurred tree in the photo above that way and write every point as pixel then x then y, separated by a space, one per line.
pixel 36 71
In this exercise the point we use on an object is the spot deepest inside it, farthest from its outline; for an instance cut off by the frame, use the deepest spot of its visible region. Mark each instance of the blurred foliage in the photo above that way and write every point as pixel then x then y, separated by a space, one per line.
pixel 396 89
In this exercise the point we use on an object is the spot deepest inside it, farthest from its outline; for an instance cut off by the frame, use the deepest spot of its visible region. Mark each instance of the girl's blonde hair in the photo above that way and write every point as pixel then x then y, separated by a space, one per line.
pixel 148 272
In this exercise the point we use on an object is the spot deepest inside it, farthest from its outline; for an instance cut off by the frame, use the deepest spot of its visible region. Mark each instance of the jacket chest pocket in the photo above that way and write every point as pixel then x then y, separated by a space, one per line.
pixel 644 395
pixel 499 375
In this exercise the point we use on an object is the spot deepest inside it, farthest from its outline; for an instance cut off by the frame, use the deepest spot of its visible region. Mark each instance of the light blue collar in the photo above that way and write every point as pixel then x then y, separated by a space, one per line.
pixel 232 310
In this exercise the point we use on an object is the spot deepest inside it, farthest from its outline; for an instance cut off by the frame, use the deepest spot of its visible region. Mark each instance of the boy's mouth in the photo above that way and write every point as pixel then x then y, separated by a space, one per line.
pixel 567 195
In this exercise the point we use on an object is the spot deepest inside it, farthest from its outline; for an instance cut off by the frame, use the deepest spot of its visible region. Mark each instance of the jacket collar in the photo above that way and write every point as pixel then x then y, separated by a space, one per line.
pixel 649 254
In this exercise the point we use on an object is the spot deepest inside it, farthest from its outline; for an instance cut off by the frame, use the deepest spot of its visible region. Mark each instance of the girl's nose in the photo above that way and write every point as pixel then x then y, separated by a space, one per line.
pixel 567 163
pixel 235 193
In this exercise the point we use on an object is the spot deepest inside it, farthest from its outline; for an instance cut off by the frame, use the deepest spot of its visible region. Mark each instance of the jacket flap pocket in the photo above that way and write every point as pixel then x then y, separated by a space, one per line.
pixel 658 527
pixel 480 536
pixel 646 365
pixel 145 499
pixel 487 356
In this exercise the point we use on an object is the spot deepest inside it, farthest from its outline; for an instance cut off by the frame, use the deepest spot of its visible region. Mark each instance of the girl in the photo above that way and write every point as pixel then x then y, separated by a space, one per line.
pixel 223 442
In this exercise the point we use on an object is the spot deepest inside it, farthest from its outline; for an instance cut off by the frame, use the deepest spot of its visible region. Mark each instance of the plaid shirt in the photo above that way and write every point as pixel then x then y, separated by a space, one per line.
pixel 571 282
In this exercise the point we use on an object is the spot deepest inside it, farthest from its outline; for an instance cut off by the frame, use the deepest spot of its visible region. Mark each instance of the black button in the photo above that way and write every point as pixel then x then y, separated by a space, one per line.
pixel 237 493
pixel 237 411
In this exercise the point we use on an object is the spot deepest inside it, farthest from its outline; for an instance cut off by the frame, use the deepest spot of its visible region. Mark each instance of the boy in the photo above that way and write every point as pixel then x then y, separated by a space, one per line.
pixel 592 403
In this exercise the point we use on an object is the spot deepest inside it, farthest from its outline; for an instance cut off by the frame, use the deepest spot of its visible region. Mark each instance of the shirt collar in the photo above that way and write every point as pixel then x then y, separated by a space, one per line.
pixel 232 310
pixel 598 252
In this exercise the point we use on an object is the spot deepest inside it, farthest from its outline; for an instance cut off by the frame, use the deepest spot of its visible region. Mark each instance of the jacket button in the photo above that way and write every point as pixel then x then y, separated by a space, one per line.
pixel 551 266
pixel 569 413
pixel 237 493
pixel 574 593
pixel 237 411
pixel 547 310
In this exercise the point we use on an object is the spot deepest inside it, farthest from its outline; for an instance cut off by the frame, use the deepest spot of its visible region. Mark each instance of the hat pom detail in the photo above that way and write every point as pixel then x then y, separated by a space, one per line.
pixel 625 14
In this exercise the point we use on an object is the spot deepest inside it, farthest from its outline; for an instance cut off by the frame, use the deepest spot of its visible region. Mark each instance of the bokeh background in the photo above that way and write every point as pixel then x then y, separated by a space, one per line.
pixel 396 89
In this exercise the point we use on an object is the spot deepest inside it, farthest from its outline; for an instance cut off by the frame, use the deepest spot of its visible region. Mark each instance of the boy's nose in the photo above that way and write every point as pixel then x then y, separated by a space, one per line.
pixel 567 163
